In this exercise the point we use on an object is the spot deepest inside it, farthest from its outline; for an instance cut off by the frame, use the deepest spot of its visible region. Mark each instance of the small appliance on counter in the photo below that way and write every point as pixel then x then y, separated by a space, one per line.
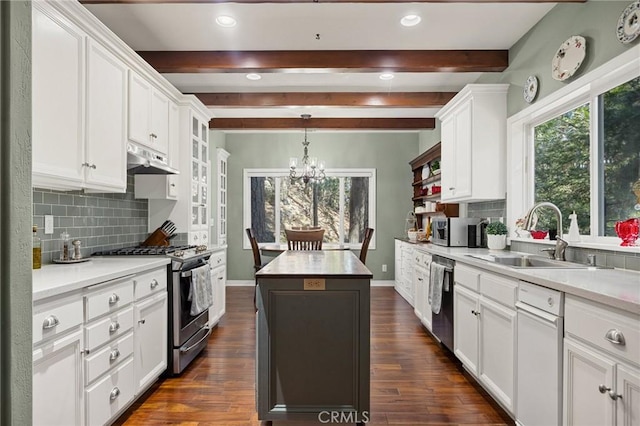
pixel 452 231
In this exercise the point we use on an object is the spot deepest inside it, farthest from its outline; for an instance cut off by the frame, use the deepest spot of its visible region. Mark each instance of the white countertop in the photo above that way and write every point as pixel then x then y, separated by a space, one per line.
pixel 614 287
pixel 56 279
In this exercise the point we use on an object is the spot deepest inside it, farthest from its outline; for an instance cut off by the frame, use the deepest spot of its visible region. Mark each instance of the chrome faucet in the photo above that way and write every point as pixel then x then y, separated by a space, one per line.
pixel 561 245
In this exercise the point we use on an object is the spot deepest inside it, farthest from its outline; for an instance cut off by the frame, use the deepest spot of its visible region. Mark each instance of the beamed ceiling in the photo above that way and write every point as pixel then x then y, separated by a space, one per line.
pixel 322 58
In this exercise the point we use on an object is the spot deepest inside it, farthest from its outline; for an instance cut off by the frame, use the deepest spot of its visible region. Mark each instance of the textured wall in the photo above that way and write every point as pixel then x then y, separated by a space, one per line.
pixel 388 153
pixel 99 221
pixel 15 213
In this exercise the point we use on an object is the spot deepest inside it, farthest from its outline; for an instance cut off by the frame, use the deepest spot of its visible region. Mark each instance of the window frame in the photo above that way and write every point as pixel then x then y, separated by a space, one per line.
pixel 520 146
pixel 284 173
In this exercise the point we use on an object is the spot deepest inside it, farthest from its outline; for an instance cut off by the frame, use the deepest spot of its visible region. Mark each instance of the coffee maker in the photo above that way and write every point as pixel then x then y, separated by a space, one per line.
pixel 477 234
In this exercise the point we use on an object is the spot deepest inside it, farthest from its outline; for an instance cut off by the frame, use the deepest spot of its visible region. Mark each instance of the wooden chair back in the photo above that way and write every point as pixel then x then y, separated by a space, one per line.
pixel 257 261
pixel 368 233
pixel 310 239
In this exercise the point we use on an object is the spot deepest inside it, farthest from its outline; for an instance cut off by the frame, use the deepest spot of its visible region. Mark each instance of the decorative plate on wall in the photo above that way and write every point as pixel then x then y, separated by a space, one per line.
pixel 629 23
pixel 568 58
pixel 530 88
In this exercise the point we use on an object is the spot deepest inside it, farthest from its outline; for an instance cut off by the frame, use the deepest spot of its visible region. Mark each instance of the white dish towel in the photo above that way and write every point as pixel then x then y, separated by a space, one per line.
pixel 200 292
pixel 437 286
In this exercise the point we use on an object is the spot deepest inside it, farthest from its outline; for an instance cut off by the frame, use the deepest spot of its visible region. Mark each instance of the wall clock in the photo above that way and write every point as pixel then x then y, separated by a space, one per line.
pixel 530 88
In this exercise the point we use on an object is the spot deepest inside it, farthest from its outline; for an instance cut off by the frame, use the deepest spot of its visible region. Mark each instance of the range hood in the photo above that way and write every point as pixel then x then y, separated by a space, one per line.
pixel 142 161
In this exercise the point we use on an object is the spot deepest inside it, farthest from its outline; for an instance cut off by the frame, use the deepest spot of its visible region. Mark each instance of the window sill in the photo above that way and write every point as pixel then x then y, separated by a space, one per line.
pixel 595 245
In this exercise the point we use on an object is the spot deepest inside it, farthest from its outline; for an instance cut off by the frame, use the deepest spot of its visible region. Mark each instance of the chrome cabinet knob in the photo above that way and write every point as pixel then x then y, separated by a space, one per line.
pixel 114 393
pixel 113 299
pixel 154 284
pixel 142 321
pixel 50 322
pixel 114 355
pixel 614 396
pixel 615 336
pixel 114 326
pixel 550 301
pixel 603 389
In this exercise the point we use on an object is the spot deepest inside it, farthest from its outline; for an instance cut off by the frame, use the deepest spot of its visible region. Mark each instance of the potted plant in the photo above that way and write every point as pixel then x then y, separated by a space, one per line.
pixel 496 236
pixel 435 167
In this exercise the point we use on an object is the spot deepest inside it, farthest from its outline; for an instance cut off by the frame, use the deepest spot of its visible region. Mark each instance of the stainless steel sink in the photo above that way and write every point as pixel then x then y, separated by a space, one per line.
pixel 528 261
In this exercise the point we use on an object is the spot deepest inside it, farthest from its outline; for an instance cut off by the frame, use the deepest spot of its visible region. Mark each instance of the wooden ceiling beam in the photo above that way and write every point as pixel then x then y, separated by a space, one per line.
pixel 328 61
pixel 335 99
pixel 321 1
pixel 322 123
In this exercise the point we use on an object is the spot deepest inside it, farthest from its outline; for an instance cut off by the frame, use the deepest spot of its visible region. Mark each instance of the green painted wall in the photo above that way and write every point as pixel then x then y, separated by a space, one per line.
pixel 429 138
pixel 388 153
pixel 532 54
pixel 15 213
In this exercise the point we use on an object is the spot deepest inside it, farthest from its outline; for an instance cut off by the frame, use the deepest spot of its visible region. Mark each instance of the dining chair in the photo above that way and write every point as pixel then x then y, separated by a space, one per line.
pixel 307 239
pixel 257 260
pixel 368 233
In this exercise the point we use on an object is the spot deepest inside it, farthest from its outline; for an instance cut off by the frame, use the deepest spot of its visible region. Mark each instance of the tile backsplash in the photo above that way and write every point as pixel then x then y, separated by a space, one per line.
pixel 99 221
pixel 487 209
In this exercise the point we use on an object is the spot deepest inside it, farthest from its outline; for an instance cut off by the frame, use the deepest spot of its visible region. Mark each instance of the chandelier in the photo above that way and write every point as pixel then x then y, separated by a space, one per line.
pixel 310 170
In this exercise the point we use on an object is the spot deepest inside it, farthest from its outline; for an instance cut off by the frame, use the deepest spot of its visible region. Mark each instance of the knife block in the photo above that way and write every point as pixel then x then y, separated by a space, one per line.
pixel 157 238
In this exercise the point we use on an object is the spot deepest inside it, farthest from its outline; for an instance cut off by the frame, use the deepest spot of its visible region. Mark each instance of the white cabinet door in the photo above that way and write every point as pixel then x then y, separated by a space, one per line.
pixel 57 381
pixel 159 122
pixel 465 325
pixel 150 339
pixel 139 110
pixel 497 339
pixel 447 160
pixel 628 388
pixel 218 282
pixel 106 117
pixel 419 292
pixel 222 158
pixel 584 372
pixel 462 150
pixel 398 265
pixel 174 136
pixel 58 87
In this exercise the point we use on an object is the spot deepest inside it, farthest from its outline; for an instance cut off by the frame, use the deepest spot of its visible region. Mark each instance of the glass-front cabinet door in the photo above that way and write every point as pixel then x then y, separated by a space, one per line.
pixel 222 158
pixel 199 180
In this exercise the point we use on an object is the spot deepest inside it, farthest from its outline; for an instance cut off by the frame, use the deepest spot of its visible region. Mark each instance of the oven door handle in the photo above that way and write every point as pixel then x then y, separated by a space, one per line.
pixel 209 330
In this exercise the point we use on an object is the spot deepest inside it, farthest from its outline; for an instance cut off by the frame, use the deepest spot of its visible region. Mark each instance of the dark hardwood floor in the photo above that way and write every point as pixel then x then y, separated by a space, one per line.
pixel 413 381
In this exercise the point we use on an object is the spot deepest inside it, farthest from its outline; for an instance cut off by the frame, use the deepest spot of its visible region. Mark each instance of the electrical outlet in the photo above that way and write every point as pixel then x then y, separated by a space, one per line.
pixel 48 224
pixel 384 268
pixel 314 284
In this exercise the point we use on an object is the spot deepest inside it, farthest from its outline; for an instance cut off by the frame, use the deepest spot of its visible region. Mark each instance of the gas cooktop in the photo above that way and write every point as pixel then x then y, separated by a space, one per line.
pixel 144 250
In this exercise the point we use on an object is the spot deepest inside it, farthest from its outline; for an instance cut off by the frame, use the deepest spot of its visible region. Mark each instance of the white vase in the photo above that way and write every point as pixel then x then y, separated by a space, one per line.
pixel 496 242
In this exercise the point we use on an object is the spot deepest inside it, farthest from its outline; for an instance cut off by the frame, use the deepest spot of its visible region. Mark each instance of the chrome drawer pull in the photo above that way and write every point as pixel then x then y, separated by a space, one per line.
pixel 114 393
pixel 154 284
pixel 615 336
pixel 113 299
pixel 50 322
pixel 114 326
pixel 114 355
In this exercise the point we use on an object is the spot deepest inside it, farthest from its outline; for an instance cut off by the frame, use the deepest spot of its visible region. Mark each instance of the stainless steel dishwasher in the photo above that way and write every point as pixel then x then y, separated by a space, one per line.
pixel 442 322
pixel 539 356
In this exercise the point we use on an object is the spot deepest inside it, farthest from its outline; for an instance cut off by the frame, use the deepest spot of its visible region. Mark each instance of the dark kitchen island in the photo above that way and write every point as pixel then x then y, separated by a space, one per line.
pixel 312 354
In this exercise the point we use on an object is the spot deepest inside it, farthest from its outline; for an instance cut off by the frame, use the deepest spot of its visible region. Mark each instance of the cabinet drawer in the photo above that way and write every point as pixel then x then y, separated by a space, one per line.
pixel 592 322
pixel 100 362
pixel 110 395
pixel 467 277
pixel 53 318
pixel 110 297
pixel 151 282
pixel 499 288
pixel 101 331
pixel 217 259
pixel 426 261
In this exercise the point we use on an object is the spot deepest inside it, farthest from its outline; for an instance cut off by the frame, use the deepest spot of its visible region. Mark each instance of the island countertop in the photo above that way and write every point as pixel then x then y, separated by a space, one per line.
pixel 322 263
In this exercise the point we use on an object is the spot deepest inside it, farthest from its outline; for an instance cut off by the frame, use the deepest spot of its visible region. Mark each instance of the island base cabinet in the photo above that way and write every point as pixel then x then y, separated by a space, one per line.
pixel 109 396
pixel 57 381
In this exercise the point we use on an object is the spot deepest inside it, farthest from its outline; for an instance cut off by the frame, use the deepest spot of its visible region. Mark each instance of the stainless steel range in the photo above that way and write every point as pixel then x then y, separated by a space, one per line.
pixel 188 334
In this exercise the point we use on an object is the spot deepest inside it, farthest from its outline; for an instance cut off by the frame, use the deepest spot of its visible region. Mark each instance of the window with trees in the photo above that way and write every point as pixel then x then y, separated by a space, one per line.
pixel 343 204
pixel 587 160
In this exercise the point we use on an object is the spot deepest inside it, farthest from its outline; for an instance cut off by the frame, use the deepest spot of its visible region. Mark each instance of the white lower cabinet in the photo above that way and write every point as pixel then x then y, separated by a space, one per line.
pixel 485 330
pixel 404 270
pixel 218 262
pixel 601 365
pixel 150 332
pixel 421 275
pixel 57 380
pixel 110 395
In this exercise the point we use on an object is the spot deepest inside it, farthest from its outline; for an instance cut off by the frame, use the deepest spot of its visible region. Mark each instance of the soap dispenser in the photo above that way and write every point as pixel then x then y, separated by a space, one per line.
pixel 574 233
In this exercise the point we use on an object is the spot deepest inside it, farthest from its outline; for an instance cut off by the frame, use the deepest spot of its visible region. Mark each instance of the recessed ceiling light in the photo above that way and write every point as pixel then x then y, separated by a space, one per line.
pixel 254 76
pixel 226 21
pixel 410 20
pixel 386 76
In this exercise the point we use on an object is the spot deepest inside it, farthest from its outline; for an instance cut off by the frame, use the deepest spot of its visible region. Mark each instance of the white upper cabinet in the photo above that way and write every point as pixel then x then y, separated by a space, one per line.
pixel 473 137
pixel 148 114
pixel 106 119
pixel 58 52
